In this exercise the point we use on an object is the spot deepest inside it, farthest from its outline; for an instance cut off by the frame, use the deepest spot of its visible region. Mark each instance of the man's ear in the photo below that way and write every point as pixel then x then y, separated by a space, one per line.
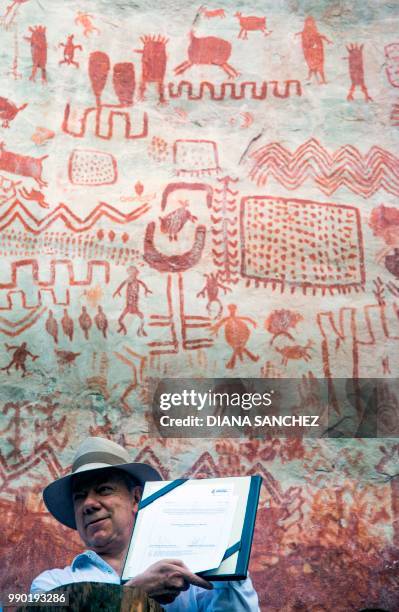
pixel 137 492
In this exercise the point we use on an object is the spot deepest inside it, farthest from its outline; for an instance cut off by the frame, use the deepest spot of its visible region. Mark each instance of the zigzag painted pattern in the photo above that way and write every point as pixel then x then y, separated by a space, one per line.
pixel 31 223
pixel 346 167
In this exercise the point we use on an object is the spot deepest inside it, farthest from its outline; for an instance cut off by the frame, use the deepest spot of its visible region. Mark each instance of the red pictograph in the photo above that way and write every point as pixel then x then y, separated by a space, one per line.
pixel 65 358
pixel 162 261
pixel 23 165
pixel 69 52
pixel 85 322
pixel 211 13
pixel 17 212
pixel 356 71
pixel 89 246
pixel 392 68
pixel 313 49
pixel 189 332
pixel 173 263
pixel 251 23
pixel 225 228
pixel 211 291
pixel 237 334
pixel 133 287
pixel 280 321
pixel 38 45
pixel 8 189
pixel 348 337
pixel 208 51
pixel 124 83
pixel 14 327
pixel 384 221
pixel 196 157
pixel 136 364
pixel 18 361
pixel 234 91
pixel 294 352
pixel 101 321
pixel 34 196
pixel 8 111
pixel 67 325
pixel 329 171
pixel 51 326
pixel 92 168
pixel 290 243
pixel 153 64
pixel 86 21
pixel 47 277
pixel 173 222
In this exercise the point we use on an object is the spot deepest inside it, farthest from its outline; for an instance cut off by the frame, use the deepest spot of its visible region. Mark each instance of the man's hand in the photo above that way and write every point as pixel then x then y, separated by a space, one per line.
pixel 164 580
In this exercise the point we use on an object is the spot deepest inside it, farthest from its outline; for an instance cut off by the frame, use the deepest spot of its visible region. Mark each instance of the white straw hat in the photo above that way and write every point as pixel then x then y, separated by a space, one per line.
pixel 93 454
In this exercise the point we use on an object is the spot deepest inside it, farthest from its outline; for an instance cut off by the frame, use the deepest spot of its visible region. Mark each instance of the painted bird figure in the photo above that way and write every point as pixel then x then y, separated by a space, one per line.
pixel 52 326
pixel 85 322
pixel 101 321
pixel 66 357
pixel 67 324
pixel 172 223
pixel 8 111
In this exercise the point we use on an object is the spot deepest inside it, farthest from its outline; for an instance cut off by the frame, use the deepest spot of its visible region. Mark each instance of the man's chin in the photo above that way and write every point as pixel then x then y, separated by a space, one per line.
pixel 99 542
pixel 98 534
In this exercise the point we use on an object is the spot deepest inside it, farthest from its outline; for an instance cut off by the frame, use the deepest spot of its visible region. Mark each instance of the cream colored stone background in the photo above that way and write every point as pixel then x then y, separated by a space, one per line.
pixel 327 534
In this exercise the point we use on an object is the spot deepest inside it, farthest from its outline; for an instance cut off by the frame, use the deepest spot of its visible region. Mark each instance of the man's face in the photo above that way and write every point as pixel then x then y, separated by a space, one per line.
pixel 105 510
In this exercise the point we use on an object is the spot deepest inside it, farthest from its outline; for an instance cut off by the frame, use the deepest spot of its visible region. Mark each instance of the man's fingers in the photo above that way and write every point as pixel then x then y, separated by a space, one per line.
pixel 173 562
pixel 194 579
pixel 178 582
pixel 189 576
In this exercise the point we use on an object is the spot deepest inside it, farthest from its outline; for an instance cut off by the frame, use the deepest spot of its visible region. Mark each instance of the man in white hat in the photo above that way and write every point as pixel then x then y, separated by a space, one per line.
pixel 100 499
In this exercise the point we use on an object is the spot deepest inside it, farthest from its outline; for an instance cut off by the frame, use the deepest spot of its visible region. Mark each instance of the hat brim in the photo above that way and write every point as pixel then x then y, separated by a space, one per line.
pixel 58 495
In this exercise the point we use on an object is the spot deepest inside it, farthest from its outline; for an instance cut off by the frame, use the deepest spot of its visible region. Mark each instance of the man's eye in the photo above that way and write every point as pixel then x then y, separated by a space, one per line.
pixel 77 496
pixel 105 489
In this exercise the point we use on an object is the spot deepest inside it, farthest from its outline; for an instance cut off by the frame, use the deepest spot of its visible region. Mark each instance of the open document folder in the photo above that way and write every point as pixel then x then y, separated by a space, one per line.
pixel 208 524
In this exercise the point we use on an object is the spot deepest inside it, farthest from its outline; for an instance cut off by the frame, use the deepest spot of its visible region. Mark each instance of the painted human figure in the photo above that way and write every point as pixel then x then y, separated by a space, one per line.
pixel 313 48
pixel 237 334
pixel 84 19
pixel 19 358
pixel 69 52
pixel 356 71
pixel 38 44
pixel 211 290
pixel 132 299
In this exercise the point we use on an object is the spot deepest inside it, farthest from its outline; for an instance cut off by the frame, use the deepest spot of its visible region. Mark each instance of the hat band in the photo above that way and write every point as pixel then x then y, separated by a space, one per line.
pixel 97 457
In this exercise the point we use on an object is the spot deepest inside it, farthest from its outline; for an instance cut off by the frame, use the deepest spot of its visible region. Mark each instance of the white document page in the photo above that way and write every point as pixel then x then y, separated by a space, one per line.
pixel 191 523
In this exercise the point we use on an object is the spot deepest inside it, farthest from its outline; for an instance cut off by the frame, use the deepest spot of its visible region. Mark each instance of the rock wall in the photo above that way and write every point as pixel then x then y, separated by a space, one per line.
pixel 203 191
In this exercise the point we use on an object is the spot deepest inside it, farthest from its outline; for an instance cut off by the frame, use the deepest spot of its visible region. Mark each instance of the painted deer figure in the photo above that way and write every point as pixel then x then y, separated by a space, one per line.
pixel 208 50
pixel 211 13
pixel 251 24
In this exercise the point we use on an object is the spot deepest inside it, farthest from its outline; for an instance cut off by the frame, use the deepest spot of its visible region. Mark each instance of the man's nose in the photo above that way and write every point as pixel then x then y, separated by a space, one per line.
pixel 90 503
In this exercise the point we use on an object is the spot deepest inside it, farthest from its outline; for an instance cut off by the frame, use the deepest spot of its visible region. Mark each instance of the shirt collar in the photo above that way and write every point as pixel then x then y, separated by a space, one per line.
pixel 90 557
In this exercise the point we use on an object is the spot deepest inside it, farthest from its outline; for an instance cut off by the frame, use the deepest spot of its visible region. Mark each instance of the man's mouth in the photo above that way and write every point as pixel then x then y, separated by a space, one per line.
pixel 97 520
